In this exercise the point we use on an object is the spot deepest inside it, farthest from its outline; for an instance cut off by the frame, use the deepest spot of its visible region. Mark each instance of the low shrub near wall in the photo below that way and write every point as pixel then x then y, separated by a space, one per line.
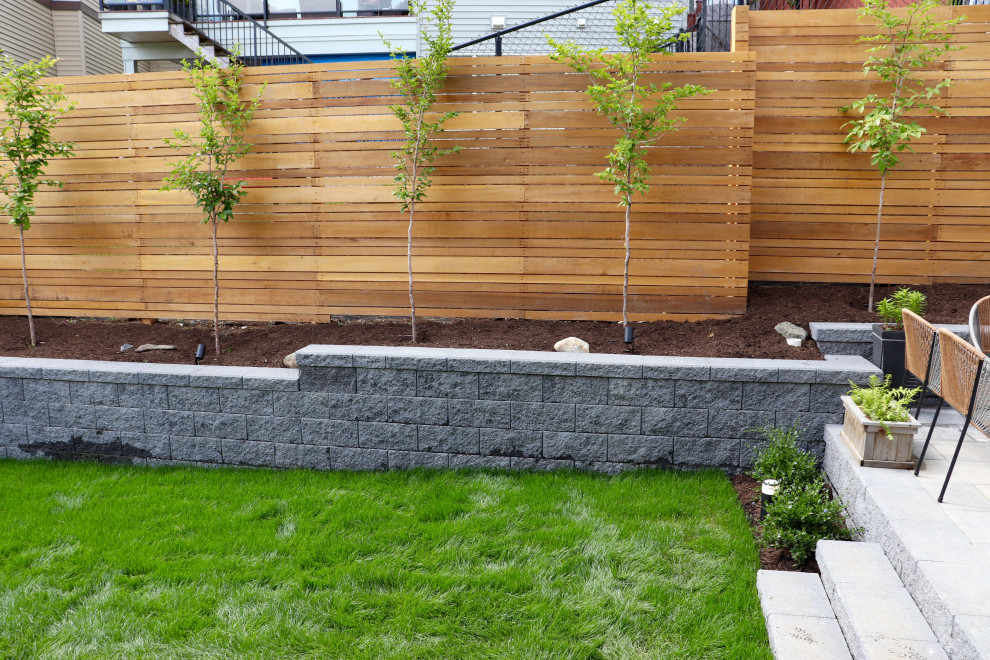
pixel 371 408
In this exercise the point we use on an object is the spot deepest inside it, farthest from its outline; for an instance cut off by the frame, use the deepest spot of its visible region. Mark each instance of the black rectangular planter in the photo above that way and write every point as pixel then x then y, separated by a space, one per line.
pixel 888 354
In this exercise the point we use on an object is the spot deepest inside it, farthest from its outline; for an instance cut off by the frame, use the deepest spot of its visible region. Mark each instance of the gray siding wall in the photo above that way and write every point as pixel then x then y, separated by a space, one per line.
pixel 102 51
pixel 391 408
pixel 26 30
pixel 69 45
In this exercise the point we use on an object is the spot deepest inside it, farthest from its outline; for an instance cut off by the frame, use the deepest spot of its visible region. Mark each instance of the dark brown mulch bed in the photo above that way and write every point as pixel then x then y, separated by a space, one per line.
pixel 773 559
pixel 265 344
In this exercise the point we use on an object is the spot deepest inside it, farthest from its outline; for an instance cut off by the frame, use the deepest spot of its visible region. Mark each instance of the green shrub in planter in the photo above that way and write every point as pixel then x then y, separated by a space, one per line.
pixel 882 402
pixel 781 458
pixel 799 516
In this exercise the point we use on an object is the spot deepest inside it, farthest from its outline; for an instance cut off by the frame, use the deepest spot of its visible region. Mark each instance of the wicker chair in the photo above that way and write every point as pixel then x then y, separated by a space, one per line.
pixel 979 324
pixel 963 388
pixel 921 358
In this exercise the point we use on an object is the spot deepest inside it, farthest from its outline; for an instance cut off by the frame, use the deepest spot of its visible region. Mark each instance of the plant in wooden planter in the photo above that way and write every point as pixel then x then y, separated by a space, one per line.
pixel 878 427
pixel 888 337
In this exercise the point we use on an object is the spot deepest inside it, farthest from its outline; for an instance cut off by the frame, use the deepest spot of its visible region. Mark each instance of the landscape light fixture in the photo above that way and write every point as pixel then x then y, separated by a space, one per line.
pixel 628 336
pixel 767 491
pixel 200 352
pixel 582 23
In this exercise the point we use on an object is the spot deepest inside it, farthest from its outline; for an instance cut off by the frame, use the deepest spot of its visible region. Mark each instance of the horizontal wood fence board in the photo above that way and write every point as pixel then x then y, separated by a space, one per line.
pixel 814 204
pixel 516 224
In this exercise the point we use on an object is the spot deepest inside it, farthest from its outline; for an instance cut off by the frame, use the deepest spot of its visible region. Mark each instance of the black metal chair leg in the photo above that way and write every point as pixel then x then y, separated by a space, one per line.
pixel 931 429
pixel 952 463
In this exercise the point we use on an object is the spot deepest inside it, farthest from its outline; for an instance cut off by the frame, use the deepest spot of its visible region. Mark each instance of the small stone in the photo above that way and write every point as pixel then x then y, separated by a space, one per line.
pixel 571 345
pixel 290 361
pixel 126 347
pixel 794 341
pixel 791 331
pixel 154 347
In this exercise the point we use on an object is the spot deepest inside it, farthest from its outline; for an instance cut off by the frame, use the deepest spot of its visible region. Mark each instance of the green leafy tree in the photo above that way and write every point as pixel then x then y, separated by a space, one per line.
pixel 908 41
pixel 418 82
pixel 640 111
pixel 224 119
pixel 26 145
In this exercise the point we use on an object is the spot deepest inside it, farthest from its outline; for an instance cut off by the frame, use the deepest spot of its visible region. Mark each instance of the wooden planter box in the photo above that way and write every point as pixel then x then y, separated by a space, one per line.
pixel 868 441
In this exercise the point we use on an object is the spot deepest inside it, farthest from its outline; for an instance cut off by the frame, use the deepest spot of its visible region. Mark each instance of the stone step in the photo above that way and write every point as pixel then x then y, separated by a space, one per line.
pixel 799 617
pixel 878 617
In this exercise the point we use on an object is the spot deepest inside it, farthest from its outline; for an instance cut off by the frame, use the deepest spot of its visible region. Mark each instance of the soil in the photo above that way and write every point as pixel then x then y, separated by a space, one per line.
pixel 750 335
pixel 773 559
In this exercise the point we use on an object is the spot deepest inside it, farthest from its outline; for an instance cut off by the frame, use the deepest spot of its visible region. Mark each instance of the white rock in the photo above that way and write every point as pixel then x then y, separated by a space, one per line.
pixel 154 347
pixel 789 330
pixel 290 361
pixel 794 341
pixel 571 345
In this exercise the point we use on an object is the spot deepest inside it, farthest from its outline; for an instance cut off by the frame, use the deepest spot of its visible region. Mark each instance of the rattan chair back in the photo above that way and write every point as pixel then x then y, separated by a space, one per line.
pixel 961 366
pixel 921 353
pixel 979 324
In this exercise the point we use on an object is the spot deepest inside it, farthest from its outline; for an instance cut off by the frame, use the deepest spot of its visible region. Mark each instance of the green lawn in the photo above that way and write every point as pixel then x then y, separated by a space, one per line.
pixel 100 561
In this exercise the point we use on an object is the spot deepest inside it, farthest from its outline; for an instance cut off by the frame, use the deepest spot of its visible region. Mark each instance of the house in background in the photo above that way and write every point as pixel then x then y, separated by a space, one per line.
pixel 32 29
pixel 158 34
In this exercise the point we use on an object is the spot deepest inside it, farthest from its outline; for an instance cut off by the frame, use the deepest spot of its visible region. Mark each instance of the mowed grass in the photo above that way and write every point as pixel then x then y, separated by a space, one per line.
pixel 99 561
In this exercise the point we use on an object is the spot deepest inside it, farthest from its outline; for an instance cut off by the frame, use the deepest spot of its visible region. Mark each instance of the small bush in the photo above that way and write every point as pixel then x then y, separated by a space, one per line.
pixel 799 516
pixel 782 459
pixel 890 307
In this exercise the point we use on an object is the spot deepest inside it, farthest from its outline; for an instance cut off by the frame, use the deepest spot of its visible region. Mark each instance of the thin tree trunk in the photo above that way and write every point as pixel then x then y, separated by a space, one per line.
pixel 216 289
pixel 625 271
pixel 412 302
pixel 27 296
pixel 876 245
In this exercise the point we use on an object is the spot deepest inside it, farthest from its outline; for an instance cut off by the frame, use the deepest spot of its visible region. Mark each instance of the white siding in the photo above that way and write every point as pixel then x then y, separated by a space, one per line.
pixel 26 30
pixel 102 51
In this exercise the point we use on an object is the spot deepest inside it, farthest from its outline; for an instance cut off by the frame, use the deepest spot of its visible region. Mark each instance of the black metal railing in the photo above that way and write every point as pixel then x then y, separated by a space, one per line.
pixel 224 26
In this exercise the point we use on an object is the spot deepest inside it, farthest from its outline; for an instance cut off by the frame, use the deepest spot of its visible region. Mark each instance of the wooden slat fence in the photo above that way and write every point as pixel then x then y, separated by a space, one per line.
pixel 814 204
pixel 515 224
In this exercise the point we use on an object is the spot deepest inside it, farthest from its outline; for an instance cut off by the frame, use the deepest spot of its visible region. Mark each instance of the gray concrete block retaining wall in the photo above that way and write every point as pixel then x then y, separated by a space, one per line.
pixel 373 408
pixel 857 338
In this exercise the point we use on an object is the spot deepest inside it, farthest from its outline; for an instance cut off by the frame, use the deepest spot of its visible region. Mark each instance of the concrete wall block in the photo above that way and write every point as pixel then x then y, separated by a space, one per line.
pixel 801 372
pixel 72 416
pixel 575 446
pixel 12 388
pixel 220 425
pixel 544 364
pixel 32 413
pixel 420 362
pixel 393 382
pixel 365 408
pixel 217 376
pixel 575 389
pixel 641 449
pixel 330 432
pixel 680 422
pixel 201 450
pixel 169 422
pixel 825 397
pixel 542 416
pixel 94 394
pixel 677 369
pixel 539 464
pixel 708 394
pixel 70 444
pixel 447 384
pixel 735 423
pixel 510 387
pixel 776 396
pixel 624 420
pixel 145 445
pixel 274 429
pixel 450 439
pixel 374 435
pixel 497 442
pixel 406 460
pixel 175 375
pixel 69 370
pixel 337 380
pixel 245 452
pixel 707 452
pixel 200 399
pixel 270 378
pixel 120 419
pixel 136 395
pixel 301 404
pixel 467 462
pixel 754 373
pixel 811 425
pixel 46 390
pixel 641 392
pixel 415 410
pixel 479 414
pixel 12 435
pixel 247 402
pixel 302 456
pixel 611 366
pixel 346 458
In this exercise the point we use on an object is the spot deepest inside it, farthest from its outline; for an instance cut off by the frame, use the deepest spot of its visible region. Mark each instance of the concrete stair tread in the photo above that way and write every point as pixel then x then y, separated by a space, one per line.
pixel 875 611
pixel 800 621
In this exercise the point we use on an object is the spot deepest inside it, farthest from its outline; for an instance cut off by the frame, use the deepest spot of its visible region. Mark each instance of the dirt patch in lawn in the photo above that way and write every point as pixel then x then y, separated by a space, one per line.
pixel 773 559
pixel 750 335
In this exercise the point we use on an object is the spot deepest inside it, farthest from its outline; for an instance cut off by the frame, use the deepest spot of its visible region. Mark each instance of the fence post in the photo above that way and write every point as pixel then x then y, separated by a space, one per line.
pixel 740 29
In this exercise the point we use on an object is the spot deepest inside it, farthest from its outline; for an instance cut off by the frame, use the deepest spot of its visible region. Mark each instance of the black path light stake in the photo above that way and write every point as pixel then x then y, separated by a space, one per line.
pixel 628 337
pixel 767 492
pixel 200 352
